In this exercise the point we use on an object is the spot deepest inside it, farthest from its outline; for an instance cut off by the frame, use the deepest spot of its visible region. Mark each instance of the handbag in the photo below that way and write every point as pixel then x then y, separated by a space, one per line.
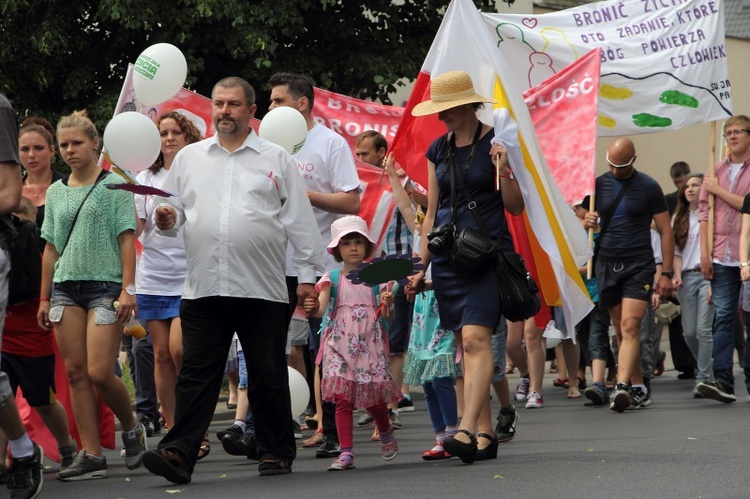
pixel 519 294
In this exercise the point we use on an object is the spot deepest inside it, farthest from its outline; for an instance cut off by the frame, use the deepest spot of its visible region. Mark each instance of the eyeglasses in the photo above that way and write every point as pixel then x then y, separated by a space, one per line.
pixel 734 132
pixel 419 217
pixel 620 166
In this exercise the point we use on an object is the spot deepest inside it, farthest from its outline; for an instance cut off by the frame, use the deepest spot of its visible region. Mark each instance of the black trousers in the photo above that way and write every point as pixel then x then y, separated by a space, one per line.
pixel 207 328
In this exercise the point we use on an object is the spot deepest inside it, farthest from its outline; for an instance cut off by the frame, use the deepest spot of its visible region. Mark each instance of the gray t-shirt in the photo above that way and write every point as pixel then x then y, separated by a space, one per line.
pixel 8 154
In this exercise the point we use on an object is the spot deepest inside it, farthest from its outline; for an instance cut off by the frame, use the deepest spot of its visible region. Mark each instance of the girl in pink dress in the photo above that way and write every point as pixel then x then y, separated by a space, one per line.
pixel 354 370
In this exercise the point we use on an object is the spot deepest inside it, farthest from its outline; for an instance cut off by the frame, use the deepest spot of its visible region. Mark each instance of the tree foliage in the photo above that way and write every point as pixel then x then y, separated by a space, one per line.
pixel 60 56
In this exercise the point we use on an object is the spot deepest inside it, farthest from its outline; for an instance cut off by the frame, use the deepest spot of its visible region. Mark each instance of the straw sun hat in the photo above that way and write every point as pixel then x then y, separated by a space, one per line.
pixel 449 90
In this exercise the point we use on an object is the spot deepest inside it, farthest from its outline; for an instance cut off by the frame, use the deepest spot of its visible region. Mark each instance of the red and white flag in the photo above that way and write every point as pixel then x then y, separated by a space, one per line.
pixel 464 43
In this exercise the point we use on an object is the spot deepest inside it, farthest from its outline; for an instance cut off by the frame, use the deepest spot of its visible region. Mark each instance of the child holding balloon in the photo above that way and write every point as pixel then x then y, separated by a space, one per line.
pixel 354 351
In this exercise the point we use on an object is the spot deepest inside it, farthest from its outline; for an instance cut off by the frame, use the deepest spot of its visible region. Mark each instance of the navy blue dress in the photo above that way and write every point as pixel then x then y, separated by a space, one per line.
pixel 465 300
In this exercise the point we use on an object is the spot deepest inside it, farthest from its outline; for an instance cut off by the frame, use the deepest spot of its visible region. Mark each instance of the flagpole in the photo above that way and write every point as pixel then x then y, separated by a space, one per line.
pixel 590 264
pixel 711 175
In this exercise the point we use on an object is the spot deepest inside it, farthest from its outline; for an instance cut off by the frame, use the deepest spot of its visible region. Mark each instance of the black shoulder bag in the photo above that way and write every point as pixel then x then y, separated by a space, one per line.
pixel 608 217
pixel 519 294
pixel 471 250
pixel 101 176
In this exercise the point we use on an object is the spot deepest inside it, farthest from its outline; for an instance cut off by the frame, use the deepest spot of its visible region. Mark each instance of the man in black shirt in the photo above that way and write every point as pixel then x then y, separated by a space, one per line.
pixel 628 201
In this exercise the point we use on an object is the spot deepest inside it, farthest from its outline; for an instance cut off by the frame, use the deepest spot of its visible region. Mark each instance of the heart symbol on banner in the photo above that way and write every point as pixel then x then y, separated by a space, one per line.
pixel 529 22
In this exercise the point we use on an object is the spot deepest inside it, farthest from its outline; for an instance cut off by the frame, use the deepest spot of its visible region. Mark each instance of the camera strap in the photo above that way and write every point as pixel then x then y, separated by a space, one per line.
pixel 456 167
pixel 453 164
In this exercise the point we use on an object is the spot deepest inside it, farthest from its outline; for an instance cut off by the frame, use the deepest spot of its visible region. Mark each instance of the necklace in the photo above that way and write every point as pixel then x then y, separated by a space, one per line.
pixel 37 190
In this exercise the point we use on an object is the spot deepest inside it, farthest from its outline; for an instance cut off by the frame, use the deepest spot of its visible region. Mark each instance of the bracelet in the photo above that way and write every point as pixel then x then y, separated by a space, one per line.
pixel 44 298
pixel 744 264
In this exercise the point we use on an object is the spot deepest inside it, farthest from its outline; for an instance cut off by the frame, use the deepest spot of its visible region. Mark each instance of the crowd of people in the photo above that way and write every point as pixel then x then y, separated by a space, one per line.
pixel 254 251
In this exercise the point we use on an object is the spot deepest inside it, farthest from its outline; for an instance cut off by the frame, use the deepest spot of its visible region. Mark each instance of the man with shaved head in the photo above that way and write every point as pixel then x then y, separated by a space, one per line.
pixel 627 201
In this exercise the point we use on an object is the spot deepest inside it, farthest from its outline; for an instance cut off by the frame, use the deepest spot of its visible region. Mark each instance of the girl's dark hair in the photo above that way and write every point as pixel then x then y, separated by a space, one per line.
pixel 368 246
pixel 681 222
pixel 188 128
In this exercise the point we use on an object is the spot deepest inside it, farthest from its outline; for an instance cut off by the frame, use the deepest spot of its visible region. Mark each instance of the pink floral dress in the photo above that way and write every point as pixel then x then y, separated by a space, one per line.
pixel 355 349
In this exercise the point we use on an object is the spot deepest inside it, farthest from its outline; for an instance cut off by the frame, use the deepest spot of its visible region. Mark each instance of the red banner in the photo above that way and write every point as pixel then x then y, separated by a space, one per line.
pixel 349 117
pixel 563 109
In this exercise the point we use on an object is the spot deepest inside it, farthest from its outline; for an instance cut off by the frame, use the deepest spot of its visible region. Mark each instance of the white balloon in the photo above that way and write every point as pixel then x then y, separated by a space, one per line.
pixel 132 141
pixel 286 127
pixel 553 342
pixel 159 73
pixel 298 391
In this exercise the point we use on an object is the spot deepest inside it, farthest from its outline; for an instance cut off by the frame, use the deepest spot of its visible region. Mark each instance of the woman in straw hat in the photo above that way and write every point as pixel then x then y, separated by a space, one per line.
pixel 468 304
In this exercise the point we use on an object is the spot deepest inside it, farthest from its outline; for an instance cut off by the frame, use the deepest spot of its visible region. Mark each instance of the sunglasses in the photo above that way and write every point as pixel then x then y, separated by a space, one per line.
pixel 620 166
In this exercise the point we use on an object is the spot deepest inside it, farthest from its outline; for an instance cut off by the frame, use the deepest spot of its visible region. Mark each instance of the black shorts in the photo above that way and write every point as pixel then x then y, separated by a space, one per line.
pixel 35 376
pixel 624 279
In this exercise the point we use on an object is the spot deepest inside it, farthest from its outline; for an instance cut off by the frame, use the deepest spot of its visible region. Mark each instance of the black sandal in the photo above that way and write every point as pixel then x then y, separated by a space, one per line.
pixel 466 451
pixel 204 449
pixel 274 467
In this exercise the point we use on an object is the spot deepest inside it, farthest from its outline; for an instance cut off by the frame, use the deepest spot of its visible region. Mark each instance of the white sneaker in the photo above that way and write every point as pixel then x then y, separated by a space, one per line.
pixel 522 389
pixel 534 401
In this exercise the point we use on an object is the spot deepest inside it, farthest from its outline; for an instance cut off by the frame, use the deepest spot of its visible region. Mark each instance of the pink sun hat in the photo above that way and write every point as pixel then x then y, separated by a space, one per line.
pixel 347 225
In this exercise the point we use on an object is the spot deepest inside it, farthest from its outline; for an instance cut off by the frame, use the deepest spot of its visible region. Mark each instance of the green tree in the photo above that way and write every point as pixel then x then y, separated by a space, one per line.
pixel 60 56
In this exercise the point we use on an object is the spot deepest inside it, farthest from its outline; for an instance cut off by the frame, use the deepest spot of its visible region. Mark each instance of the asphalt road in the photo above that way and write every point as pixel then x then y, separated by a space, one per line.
pixel 679 447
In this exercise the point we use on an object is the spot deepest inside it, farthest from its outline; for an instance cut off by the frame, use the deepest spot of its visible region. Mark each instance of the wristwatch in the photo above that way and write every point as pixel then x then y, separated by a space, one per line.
pixel 129 289
pixel 744 264
pixel 668 274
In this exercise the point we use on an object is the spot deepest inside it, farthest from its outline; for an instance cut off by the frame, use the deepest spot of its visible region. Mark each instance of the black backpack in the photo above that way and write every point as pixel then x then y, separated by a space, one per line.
pixel 25 262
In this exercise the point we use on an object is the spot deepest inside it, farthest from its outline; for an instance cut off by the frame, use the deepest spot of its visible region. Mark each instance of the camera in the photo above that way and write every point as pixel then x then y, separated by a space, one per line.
pixel 441 240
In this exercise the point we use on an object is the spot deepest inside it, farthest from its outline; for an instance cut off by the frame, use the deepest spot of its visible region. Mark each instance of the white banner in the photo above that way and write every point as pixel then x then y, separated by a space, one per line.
pixel 664 62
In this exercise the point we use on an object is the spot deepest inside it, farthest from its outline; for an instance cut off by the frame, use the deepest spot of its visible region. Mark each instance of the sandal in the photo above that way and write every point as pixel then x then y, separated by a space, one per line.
pixel 553 368
pixel 315 440
pixel 311 423
pixel 509 368
pixel 609 383
pixel 561 383
pixel 205 448
pixel 274 467
pixel 574 393
pixel 582 385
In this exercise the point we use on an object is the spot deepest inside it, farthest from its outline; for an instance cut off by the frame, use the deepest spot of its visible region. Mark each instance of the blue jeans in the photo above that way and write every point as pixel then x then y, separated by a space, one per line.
pixel 442 406
pixel 142 372
pixel 725 287
pixel 697 321
pixel 499 342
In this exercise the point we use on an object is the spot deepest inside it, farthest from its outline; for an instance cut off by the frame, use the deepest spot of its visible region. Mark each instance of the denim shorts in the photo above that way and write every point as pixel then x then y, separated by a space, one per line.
pixel 97 295
pixel 154 307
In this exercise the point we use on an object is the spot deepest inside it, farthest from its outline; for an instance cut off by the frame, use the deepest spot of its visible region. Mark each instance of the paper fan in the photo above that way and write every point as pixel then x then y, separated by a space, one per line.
pixel 384 269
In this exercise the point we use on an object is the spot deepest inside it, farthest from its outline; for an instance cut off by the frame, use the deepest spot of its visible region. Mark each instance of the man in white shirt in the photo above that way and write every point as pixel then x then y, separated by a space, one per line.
pixel 326 165
pixel 240 201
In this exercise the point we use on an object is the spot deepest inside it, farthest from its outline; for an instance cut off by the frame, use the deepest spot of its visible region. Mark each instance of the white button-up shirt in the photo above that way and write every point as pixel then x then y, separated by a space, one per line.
pixel 239 210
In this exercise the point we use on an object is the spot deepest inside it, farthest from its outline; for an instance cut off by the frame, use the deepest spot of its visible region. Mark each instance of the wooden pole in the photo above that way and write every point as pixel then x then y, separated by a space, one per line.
pixel 590 264
pixel 711 174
